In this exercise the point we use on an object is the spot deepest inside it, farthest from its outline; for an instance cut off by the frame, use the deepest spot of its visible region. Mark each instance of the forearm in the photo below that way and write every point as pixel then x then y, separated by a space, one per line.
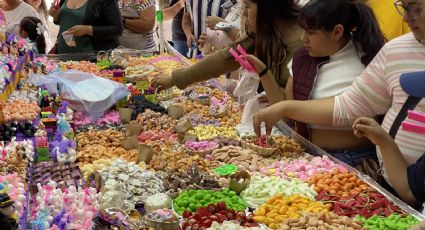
pixel 187 24
pixel 211 66
pixel 396 169
pixel 139 25
pixel 171 12
pixel 319 112
pixel 275 93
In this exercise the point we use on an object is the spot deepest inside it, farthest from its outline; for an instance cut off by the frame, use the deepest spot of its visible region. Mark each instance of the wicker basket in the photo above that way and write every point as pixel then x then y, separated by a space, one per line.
pixel 263 151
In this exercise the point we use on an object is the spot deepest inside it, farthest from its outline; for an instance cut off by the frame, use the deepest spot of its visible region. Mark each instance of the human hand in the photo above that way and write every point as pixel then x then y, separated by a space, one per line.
pixel 202 40
pixel 258 64
pixel 211 21
pixel 54 10
pixel 162 82
pixel 79 30
pixel 270 116
pixel 190 40
pixel 369 128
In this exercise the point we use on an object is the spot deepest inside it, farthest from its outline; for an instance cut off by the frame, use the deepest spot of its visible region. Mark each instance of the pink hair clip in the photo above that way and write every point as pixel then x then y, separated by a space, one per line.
pixel 412 127
pixel 242 59
pixel 416 116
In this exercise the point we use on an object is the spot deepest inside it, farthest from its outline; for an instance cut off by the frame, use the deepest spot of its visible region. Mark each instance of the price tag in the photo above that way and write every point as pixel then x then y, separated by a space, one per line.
pixel 142 85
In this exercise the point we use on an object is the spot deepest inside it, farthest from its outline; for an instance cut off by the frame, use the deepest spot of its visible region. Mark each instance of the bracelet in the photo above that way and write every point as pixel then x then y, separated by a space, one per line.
pixel 263 72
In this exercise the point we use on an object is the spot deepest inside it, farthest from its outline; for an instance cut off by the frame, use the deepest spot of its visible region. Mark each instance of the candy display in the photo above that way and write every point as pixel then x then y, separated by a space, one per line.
pixel 262 189
pixel 158 201
pixel 244 159
pixel 391 222
pixel 205 216
pixel 156 136
pixel 156 121
pixel 280 208
pixel 263 145
pixel 193 178
pixel 64 175
pixel 163 219
pixel 12 185
pixel 140 105
pixel 69 207
pixel 169 160
pixel 175 159
pixel 193 199
pixel 301 168
pixel 231 226
pixel 20 111
pixel 139 184
pixel 108 118
pixel 94 145
pixel 212 132
pixel 365 204
pixel 344 184
pixel 321 221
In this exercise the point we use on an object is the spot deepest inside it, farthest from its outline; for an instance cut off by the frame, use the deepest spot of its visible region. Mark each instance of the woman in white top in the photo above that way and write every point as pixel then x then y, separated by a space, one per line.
pixel 340 38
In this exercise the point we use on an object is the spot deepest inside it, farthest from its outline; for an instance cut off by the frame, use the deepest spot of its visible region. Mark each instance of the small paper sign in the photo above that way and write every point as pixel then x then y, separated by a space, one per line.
pixel 226 169
pixel 142 85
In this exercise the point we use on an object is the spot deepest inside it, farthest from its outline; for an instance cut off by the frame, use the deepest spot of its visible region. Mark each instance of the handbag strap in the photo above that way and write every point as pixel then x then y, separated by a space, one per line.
pixel 410 104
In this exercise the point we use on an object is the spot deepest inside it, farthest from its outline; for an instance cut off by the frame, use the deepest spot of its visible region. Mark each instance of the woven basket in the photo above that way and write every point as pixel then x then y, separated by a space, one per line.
pixel 263 151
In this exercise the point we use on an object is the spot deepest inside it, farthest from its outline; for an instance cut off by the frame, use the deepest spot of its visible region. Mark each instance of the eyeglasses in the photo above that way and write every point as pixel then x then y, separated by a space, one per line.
pixel 413 11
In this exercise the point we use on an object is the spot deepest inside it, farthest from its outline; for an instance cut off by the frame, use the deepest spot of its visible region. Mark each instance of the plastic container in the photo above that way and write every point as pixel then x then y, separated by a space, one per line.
pixel 69 39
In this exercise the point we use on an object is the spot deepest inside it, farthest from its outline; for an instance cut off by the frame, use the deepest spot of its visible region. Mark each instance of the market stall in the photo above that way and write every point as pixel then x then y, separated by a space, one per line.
pixel 90 145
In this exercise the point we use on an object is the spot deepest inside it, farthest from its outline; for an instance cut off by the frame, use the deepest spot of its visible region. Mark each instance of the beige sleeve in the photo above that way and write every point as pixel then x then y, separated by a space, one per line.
pixel 212 66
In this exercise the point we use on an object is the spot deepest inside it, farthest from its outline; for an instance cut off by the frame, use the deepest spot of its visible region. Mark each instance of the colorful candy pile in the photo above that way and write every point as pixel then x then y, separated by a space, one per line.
pixel 302 168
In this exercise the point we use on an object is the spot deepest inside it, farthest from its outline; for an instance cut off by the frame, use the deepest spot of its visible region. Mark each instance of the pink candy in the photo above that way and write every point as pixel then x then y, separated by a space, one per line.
pixel 302 168
pixel 151 136
pixel 111 117
pixel 201 145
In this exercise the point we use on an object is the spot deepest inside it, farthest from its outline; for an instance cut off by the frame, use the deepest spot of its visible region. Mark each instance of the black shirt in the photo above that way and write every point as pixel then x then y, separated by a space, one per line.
pixel 416 178
pixel 177 29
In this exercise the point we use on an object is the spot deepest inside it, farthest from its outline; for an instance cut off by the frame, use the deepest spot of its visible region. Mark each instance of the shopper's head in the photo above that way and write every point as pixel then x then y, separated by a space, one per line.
pixel 264 18
pixel 413 12
pixel 31 28
pixel 329 24
pixel 39 5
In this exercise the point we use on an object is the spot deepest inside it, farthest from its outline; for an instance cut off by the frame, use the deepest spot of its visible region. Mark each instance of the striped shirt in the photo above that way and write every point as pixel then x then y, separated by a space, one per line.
pixel 378 91
pixel 200 9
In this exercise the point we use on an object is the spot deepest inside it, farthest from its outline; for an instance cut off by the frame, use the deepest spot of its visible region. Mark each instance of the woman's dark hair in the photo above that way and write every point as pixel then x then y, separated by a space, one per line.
pixel 355 16
pixel 30 25
pixel 269 47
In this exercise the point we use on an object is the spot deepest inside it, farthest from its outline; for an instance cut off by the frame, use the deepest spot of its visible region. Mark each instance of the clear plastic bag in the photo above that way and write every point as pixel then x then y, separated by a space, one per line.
pixel 86 92
pixel 246 90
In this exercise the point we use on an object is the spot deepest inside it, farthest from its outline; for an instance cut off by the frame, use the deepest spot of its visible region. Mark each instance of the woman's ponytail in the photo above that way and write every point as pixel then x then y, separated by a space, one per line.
pixel 366 33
